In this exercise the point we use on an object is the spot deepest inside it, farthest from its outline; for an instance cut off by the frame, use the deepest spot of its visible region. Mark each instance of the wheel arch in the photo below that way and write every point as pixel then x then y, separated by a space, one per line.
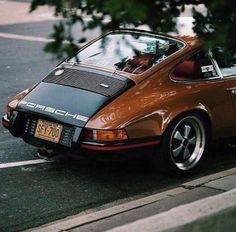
pixel 155 124
pixel 165 161
pixel 203 114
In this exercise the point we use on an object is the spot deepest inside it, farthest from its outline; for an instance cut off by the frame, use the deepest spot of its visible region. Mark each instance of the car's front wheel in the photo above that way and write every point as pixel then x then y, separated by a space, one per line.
pixel 183 144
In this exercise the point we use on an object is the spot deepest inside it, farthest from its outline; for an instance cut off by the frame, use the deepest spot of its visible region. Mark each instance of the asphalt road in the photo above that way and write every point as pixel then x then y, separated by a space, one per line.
pixel 36 194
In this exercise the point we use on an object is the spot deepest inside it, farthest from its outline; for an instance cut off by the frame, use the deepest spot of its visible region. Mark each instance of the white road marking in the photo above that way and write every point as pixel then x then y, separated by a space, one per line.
pixel 24 37
pixel 22 163
pixel 32 38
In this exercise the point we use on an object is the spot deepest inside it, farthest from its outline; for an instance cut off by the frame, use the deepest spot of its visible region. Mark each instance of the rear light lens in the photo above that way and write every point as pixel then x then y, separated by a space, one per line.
pixel 10 107
pixel 105 135
pixel 14 101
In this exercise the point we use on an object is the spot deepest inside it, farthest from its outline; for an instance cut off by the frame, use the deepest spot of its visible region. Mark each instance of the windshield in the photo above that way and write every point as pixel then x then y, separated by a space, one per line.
pixel 127 52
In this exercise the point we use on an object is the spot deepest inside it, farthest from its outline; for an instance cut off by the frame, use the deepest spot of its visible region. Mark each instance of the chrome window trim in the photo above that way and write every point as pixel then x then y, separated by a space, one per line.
pixel 219 70
pixel 229 77
pixel 215 64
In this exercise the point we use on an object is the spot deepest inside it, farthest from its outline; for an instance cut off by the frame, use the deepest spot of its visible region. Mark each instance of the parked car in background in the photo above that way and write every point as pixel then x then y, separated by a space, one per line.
pixel 132 90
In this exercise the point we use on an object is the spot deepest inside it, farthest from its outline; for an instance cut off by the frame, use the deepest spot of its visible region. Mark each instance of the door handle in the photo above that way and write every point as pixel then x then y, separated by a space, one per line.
pixel 232 90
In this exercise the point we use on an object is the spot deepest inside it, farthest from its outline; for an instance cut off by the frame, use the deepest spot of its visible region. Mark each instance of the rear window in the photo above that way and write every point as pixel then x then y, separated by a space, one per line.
pixel 128 52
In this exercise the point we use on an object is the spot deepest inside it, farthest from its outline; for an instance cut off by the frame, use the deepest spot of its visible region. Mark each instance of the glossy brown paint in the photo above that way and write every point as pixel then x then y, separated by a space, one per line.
pixel 155 101
pixel 231 86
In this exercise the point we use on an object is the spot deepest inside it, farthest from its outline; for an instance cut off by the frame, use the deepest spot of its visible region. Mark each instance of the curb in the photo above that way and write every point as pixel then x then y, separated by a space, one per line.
pixel 203 180
pixel 96 215
pixel 80 220
pixel 217 213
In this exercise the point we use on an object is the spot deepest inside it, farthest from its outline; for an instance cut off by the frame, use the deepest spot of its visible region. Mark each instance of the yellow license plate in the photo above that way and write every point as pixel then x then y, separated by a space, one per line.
pixel 48 131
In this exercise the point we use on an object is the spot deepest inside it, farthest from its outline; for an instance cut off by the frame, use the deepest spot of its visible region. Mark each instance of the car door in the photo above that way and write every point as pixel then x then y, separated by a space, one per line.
pixel 227 66
pixel 203 74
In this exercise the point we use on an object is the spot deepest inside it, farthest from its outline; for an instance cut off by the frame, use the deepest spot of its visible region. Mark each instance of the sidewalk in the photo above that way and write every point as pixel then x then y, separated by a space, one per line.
pixel 21 13
pixel 214 213
pixel 186 204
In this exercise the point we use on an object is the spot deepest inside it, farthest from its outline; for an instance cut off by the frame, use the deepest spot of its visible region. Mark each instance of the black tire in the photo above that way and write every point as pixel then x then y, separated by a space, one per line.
pixel 183 145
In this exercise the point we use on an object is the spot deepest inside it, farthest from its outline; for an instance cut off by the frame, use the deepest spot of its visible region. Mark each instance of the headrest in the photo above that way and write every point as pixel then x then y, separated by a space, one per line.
pixel 143 60
pixel 187 69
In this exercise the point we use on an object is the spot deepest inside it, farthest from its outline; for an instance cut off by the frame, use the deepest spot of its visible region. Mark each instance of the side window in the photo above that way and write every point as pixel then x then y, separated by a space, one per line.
pixel 196 67
pixel 227 64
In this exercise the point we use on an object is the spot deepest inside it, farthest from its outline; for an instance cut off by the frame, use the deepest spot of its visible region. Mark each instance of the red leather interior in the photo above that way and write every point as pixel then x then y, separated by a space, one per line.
pixel 139 64
pixel 186 70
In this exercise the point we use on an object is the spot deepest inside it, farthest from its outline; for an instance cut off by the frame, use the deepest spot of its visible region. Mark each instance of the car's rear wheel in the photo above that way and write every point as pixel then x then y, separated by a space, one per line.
pixel 183 144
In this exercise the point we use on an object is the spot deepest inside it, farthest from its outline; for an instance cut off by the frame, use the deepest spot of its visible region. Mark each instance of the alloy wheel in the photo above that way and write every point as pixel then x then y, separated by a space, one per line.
pixel 187 142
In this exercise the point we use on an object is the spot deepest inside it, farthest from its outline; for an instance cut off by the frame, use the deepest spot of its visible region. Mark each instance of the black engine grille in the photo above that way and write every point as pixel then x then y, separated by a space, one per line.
pixel 66 136
pixel 95 82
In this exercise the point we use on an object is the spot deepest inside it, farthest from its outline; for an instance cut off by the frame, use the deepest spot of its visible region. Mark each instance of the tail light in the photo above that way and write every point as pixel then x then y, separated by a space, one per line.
pixel 104 135
pixel 15 100
pixel 10 107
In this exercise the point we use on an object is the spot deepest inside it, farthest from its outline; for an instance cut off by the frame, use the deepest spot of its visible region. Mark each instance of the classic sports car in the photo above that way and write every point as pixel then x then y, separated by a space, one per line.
pixel 131 90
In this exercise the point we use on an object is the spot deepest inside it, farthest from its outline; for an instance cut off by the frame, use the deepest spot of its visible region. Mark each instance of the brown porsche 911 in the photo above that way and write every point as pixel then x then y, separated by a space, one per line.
pixel 132 90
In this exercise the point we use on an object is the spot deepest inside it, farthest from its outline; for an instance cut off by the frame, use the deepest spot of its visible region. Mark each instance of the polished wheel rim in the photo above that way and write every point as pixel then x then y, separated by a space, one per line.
pixel 187 143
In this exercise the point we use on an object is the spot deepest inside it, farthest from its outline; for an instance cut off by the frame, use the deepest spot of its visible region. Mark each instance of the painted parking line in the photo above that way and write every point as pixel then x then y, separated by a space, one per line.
pixel 32 38
pixel 24 37
pixel 22 163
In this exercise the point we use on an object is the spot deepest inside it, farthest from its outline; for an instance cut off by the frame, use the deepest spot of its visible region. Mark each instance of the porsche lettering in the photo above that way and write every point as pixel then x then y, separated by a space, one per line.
pixel 54 111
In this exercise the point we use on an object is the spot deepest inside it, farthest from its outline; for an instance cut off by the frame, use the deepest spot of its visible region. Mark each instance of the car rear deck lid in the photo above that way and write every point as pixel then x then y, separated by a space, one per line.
pixel 107 84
